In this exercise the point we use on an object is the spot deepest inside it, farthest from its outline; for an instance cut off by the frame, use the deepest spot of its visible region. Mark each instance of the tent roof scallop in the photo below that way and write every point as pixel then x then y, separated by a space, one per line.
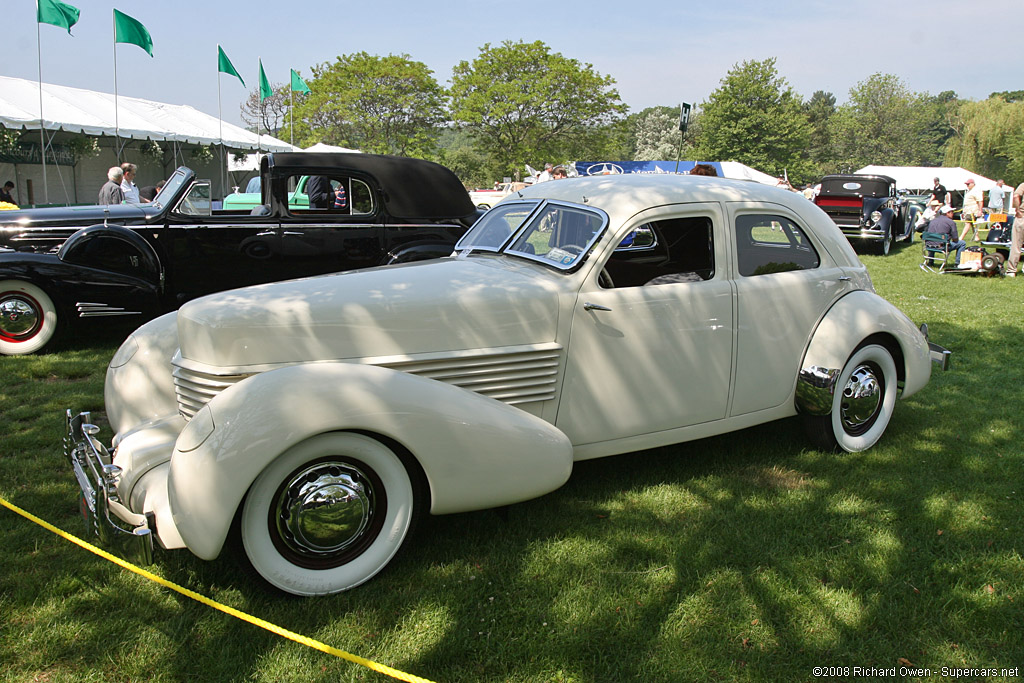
pixel 87 111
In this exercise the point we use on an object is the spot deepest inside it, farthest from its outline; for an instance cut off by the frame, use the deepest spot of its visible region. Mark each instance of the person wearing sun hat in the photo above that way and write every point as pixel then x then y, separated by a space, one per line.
pixel 972 210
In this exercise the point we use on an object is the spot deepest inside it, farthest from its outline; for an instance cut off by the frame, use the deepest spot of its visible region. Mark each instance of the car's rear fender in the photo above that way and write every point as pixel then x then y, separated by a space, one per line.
pixel 857 318
pixel 475 452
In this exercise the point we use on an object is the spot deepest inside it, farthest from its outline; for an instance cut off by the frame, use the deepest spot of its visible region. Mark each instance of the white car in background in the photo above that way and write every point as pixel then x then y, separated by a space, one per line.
pixel 590 317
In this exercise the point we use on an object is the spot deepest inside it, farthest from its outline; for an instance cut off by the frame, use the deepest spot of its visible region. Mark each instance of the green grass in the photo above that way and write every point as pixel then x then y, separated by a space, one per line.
pixel 749 556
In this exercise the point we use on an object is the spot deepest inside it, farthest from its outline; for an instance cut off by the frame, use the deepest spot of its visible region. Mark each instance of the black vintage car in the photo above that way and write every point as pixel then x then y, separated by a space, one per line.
pixel 60 267
pixel 868 208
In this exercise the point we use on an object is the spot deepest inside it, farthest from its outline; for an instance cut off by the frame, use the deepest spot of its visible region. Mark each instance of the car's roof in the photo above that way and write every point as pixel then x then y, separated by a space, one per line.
pixel 624 195
pixel 413 188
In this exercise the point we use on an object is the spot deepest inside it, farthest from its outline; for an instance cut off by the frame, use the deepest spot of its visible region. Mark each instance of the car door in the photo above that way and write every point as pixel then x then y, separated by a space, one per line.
pixel 652 331
pixel 784 284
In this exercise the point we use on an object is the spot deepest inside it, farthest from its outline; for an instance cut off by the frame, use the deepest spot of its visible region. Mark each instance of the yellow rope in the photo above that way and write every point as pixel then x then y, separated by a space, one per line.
pixel 273 628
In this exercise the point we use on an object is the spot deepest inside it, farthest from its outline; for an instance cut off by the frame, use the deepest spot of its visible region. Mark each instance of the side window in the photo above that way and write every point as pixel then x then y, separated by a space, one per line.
pixel 772 244
pixel 664 252
pixel 331 194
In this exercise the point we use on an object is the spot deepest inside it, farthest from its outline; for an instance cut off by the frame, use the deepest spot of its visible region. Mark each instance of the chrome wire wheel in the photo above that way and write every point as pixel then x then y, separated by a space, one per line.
pixel 329 513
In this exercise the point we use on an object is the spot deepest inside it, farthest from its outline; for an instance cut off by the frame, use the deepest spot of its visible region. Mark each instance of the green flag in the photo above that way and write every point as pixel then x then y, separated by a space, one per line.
pixel 57 13
pixel 128 30
pixel 265 90
pixel 298 85
pixel 225 66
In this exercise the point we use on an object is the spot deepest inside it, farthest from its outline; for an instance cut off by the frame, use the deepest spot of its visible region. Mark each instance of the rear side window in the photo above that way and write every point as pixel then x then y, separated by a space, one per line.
pixel 333 195
pixel 768 244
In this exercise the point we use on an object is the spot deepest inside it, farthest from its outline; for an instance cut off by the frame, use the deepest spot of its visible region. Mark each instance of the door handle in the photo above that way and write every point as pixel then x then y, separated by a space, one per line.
pixel 587 306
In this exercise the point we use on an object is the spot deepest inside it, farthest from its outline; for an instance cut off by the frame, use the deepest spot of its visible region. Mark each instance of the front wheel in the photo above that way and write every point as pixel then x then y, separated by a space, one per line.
pixel 862 404
pixel 28 318
pixel 328 514
pixel 886 246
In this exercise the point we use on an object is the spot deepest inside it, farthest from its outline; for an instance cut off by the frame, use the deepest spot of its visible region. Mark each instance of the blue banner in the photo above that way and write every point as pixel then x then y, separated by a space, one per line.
pixel 585 168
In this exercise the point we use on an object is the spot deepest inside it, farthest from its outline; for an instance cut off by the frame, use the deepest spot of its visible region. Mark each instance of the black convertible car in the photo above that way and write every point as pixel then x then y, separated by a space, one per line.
pixel 868 208
pixel 60 267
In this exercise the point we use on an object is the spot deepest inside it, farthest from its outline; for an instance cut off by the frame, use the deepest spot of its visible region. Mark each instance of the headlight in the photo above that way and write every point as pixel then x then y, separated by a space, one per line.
pixel 876 216
pixel 125 353
pixel 196 431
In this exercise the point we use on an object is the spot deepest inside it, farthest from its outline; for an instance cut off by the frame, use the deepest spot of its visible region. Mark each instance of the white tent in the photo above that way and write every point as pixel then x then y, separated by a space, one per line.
pixel 252 161
pixel 923 177
pixel 86 111
pixel 734 169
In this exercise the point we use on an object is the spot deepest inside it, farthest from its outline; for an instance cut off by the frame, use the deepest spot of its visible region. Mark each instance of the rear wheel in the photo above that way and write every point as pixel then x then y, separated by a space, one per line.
pixel 28 318
pixel 862 404
pixel 329 514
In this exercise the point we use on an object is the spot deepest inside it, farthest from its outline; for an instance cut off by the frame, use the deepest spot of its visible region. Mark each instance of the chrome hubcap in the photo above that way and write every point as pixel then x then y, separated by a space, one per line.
pixel 326 513
pixel 20 317
pixel 862 399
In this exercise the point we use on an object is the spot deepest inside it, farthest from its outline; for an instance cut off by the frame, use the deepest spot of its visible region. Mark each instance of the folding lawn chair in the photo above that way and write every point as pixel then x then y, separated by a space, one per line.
pixel 936 250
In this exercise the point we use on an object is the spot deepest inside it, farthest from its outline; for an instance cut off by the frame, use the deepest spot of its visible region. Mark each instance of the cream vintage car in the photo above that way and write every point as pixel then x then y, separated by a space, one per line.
pixel 577 319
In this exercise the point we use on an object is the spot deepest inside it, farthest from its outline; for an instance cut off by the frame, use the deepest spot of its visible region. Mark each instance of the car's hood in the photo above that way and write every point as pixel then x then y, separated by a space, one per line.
pixel 80 216
pixel 396 311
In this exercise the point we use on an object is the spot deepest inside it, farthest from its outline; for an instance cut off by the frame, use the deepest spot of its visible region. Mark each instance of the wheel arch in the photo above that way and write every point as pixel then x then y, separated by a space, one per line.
pixel 435 428
pixel 856 320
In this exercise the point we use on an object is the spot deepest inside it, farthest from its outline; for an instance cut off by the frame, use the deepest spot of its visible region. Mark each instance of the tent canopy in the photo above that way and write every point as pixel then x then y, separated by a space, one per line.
pixel 86 111
pixel 923 177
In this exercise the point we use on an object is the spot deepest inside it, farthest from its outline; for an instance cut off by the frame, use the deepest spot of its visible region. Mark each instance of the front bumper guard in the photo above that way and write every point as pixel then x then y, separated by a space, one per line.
pixel 115 526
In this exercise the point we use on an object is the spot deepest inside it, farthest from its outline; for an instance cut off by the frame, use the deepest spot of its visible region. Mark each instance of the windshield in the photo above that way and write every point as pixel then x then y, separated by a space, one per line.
pixel 549 232
pixel 170 188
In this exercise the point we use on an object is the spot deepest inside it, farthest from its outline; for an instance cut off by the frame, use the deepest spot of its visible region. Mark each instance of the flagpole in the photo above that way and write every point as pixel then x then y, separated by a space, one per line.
pixel 259 116
pixel 220 134
pixel 117 134
pixel 291 116
pixel 42 133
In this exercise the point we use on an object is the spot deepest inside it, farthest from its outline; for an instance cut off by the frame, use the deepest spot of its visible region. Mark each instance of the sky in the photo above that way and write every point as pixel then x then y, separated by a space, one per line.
pixel 660 52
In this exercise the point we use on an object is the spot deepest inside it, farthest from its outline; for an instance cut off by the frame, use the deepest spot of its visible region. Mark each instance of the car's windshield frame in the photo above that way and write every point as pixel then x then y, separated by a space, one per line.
pixel 536 210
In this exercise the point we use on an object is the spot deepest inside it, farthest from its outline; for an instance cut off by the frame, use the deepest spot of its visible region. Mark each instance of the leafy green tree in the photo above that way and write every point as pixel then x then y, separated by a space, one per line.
pixel 655 133
pixel 756 118
pixel 883 123
pixel 819 110
pixel 524 104
pixel 989 138
pixel 386 105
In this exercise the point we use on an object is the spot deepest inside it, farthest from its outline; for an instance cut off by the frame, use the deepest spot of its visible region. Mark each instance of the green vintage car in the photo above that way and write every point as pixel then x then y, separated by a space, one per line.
pixel 251 198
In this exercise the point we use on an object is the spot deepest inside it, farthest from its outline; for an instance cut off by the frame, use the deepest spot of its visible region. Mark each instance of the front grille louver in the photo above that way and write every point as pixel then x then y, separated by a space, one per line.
pixel 515 378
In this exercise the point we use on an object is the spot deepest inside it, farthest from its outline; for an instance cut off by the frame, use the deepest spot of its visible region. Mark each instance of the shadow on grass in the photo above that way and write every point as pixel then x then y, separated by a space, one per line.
pixel 744 555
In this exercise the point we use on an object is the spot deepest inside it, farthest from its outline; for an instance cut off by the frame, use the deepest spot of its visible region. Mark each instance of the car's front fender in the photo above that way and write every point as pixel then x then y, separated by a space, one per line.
pixel 475 452
pixel 853 319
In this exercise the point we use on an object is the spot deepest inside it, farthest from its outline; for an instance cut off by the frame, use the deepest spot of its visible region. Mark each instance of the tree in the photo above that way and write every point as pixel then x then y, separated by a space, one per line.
pixel 655 134
pixel 524 104
pixel 266 115
pixel 883 123
pixel 819 110
pixel 756 118
pixel 988 138
pixel 386 105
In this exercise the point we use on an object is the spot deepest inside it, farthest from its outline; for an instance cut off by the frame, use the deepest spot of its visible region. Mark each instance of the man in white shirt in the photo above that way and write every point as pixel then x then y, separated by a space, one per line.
pixel 131 191
pixel 971 211
pixel 995 197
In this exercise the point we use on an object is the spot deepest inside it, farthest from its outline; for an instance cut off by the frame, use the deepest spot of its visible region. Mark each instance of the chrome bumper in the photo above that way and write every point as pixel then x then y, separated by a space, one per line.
pixel 117 528
pixel 940 355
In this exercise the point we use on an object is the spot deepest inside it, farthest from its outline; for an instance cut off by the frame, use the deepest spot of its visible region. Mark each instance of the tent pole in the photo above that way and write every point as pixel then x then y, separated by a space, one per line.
pixel 42 132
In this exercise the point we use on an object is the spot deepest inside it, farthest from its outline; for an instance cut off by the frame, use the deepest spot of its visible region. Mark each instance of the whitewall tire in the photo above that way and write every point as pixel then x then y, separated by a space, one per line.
pixel 328 514
pixel 28 318
pixel 862 405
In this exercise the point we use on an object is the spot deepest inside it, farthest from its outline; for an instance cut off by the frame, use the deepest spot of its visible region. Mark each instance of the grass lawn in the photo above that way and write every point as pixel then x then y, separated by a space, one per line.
pixel 749 556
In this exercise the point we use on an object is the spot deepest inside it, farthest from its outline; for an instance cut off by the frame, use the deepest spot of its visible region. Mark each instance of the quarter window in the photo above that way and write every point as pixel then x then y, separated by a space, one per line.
pixel 768 244
pixel 329 194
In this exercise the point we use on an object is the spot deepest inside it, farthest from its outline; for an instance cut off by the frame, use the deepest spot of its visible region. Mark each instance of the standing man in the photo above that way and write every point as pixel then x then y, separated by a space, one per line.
pixel 320 192
pixel 128 186
pixel 111 192
pixel 1018 231
pixel 7 194
pixel 971 210
pixel 995 197
pixel 939 193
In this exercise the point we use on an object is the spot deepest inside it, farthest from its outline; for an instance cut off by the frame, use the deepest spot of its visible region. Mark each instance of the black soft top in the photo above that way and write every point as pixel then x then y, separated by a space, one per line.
pixel 867 185
pixel 411 188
